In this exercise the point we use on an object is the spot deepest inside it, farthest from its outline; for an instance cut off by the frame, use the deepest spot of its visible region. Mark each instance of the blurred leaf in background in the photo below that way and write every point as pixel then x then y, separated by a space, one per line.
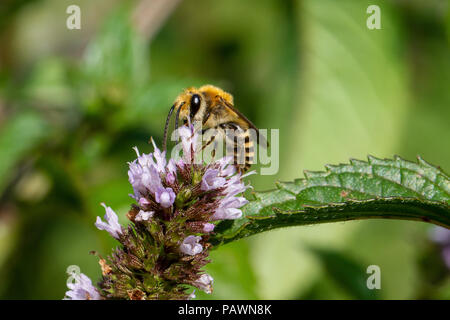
pixel 347 275
pixel 18 138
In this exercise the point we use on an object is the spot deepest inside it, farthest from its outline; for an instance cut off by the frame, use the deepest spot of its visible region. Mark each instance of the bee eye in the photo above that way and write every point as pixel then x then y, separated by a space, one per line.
pixel 195 104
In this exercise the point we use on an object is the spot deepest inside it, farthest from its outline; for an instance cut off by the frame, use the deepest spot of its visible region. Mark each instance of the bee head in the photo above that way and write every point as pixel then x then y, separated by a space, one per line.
pixel 192 104
pixel 187 105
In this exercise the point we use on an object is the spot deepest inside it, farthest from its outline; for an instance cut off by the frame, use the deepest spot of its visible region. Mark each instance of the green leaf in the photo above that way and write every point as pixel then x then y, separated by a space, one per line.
pixel 346 272
pixel 115 61
pixel 389 189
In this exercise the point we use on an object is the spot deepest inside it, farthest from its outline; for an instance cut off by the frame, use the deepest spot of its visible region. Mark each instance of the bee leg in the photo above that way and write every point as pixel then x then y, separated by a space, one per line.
pixel 242 168
pixel 208 142
pixel 213 152
pixel 246 167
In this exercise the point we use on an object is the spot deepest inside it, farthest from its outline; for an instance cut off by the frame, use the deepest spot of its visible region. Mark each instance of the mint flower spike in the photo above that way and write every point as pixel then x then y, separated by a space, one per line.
pixel 81 289
pixel 178 201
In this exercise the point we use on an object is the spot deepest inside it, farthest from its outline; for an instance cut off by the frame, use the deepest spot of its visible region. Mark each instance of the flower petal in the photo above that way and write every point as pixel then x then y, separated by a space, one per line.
pixel 144 216
pixel 204 283
pixel 165 197
pixel 191 245
pixel 81 288
pixel 111 225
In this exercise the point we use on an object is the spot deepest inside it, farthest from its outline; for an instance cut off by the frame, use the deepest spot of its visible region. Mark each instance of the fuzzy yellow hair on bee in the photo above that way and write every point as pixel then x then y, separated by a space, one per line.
pixel 213 108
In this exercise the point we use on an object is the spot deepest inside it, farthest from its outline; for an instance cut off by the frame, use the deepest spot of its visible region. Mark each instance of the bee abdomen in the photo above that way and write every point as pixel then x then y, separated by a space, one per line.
pixel 244 151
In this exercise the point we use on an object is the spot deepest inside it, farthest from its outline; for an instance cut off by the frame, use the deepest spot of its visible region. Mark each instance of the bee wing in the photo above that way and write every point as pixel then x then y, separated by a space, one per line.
pixel 261 139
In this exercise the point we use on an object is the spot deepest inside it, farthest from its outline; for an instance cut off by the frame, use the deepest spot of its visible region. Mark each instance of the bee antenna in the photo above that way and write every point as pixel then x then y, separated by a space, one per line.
pixel 166 127
pixel 177 119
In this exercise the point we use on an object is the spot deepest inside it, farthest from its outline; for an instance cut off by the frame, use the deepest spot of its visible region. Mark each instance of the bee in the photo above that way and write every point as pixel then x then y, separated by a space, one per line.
pixel 214 109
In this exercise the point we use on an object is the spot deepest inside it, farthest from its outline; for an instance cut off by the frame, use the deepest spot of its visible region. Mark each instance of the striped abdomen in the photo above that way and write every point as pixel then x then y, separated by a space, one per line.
pixel 244 150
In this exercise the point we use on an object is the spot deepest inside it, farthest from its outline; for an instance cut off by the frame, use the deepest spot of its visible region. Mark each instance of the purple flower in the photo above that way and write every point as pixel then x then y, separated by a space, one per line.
pixel 135 178
pixel 144 174
pixel 144 215
pixel 160 158
pixel 143 202
pixel 191 295
pixel 204 192
pixel 165 197
pixel 111 225
pixel 171 167
pixel 441 236
pixel 191 245
pixel 229 208
pixel 144 160
pixel 446 256
pixel 208 227
pixel 235 185
pixel 170 178
pixel 204 283
pixel 211 180
pixel 207 192
pixel 189 142
pixel 171 174
pixel 226 167
pixel 81 288
pixel 220 174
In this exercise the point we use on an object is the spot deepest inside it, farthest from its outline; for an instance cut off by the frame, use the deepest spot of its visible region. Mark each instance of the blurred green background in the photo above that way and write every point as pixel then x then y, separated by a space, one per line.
pixel 74 102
